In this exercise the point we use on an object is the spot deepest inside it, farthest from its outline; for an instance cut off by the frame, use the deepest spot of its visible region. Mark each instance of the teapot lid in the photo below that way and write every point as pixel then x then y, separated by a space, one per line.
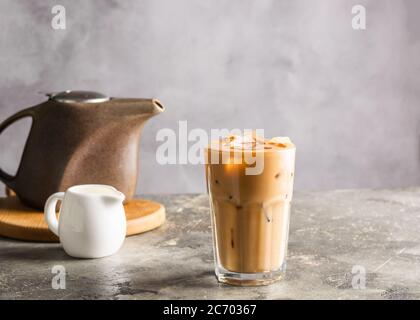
pixel 78 96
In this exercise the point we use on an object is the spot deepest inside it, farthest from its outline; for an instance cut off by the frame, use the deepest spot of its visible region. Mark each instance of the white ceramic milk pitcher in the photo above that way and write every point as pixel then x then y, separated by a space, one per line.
pixel 92 222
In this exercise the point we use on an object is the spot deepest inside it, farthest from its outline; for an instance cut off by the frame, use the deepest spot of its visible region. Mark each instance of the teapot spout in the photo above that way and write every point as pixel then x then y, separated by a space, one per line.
pixel 149 107
pixel 145 108
pixel 157 107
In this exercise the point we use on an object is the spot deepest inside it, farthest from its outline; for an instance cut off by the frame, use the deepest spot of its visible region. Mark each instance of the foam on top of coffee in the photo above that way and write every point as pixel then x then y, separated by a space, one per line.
pixel 242 142
pixel 281 142
pixel 252 142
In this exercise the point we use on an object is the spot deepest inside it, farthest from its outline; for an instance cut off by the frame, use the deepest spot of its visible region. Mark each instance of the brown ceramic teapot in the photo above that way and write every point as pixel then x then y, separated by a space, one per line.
pixel 79 137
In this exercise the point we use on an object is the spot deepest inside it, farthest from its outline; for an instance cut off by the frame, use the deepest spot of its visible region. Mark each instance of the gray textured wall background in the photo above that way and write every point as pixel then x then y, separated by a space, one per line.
pixel 349 99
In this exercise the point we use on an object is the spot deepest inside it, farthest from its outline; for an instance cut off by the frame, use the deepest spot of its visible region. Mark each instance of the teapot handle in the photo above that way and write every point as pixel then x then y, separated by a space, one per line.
pixel 30 112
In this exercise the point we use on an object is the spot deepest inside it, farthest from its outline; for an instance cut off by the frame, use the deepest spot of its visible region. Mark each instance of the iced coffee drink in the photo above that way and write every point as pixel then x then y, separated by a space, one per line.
pixel 250 209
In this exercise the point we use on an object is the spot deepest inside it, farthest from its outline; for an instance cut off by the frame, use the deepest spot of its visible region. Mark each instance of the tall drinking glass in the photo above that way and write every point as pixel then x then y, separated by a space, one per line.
pixel 250 209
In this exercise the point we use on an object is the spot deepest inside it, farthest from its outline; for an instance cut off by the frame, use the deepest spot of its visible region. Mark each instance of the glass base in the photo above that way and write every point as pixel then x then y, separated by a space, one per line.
pixel 249 279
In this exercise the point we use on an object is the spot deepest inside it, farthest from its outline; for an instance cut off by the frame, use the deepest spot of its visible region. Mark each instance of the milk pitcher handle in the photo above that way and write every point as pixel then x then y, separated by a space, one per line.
pixel 49 211
pixel 30 112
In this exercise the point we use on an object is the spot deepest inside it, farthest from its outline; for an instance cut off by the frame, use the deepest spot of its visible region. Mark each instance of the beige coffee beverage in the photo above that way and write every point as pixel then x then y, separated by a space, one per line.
pixel 250 184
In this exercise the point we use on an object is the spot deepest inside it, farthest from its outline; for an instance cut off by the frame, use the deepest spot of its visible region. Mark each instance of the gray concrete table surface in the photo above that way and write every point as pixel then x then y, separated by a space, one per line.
pixel 330 233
